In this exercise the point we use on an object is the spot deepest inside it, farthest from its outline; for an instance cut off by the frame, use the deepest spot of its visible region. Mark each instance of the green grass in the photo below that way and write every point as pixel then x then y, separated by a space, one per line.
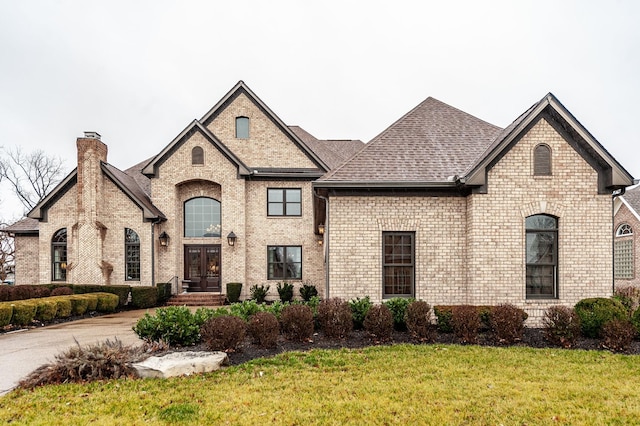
pixel 402 384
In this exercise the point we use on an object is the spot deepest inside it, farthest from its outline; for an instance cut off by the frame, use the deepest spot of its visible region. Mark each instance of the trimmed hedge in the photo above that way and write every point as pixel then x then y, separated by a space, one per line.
pixel 107 302
pixel 24 312
pixel 6 312
pixel 233 292
pixel 144 297
pixel 79 304
pixel 164 292
pixel 46 309
pixel 92 301
pixel 64 306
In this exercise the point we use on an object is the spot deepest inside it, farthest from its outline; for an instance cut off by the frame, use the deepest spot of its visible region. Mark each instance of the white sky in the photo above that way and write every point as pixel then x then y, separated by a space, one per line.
pixel 138 72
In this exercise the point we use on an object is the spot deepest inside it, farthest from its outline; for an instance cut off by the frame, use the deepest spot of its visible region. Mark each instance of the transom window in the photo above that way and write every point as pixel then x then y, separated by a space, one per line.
pixel 624 230
pixel 197 155
pixel 202 217
pixel 242 127
pixel 59 255
pixel 542 256
pixel 542 160
pixel 284 262
pixel 132 254
pixel 398 257
pixel 284 202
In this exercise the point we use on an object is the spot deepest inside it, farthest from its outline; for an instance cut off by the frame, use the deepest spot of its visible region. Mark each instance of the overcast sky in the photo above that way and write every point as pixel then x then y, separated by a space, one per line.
pixel 138 72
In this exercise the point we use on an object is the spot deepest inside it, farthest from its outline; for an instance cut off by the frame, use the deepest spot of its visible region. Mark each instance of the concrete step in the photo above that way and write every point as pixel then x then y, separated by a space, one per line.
pixel 197 299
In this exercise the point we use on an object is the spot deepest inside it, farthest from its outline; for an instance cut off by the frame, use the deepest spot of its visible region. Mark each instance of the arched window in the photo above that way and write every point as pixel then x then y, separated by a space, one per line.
pixel 202 217
pixel 624 230
pixel 542 256
pixel 59 255
pixel 132 255
pixel 242 127
pixel 623 253
pixel 197 155
pixel 542 160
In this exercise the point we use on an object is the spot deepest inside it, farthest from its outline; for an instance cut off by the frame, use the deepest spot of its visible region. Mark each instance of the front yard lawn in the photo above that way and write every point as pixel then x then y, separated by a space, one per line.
pixel 400 384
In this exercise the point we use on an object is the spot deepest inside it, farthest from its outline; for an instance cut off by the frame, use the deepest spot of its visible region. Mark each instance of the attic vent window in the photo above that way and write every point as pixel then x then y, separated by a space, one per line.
pixel 242 127
pixel 542 160
pixel 197 155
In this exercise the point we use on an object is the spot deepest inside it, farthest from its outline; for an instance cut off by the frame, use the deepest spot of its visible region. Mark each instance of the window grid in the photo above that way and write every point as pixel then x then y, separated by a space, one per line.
pixel 624 230
pixel 59 255
pixel 541 257
pixel 623 259
pixel 202 218
pixel 284 262
pixel 398 253
pixel 132 254
pixel 284 202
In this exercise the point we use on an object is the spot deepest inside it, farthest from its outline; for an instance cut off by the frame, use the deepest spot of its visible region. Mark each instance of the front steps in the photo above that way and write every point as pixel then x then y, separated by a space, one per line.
pixel 197 299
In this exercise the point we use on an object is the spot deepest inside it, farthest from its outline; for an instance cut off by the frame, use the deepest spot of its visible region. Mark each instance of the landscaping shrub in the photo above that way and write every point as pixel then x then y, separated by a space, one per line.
pixel 443 315
pixel 107 302
pixel 92 301
pixel 79 304
pixel 264 328
pixel 122 291
pixel 245 309
pixel 307 291
pixel 595 312
pixel 629 296
pixel 561 326
pixel 63 304
pixel 20 292
pixel 174 325
pixel 233 292
pixel 379 323
pixel 164 292
pixel 144 297
pixel 335 318
pixel 296 322
pixel 285 291
pixel 103 361
pixel 4 293
pixel 359 309
pixel 61 291
pixel 46 309
pixel 418 320
pixel 259 292
pixel 398 307
pixel 507 323
pixel 6 312
pixel 465 321
pixel 223 333
pixel 617 335
pixel 276 308
pixel 39 291
pixel 87 288
pixel 24 312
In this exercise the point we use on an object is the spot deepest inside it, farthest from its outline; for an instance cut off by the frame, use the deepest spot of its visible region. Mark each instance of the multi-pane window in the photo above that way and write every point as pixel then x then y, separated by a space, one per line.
pixel 542 160
pixel 623 252
pixel 398 261
pixel 242 127
pixel 132 254
pixel 284 202
pixel 202 217
pixel 624 230
pixel 542 256
pixel 284 262
pixel 59 255
pixel 197 155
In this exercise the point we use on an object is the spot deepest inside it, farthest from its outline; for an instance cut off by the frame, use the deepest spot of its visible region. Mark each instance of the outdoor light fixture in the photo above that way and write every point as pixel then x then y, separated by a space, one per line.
pixel 231 239
pixel 321 229
pixel 164 239
pixel 63 266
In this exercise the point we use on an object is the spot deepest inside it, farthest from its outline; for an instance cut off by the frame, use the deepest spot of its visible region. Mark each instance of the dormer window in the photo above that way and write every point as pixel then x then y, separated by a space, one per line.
pixel 542 160
pixel 197 155
pixel 242 127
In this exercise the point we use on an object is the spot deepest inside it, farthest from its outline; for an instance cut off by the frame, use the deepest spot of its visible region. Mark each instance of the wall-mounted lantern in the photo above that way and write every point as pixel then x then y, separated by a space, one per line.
pixel 231 239
pixel 164 239
pixel 321 229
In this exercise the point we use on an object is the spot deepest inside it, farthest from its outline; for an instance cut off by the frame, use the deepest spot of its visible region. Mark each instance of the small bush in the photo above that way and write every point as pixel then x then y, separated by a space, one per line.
pixel 443 315
pixel 465 321
pixel 122 291
pixel 595 312
pixel 617 335
pixel 285 291
pixel 398 307
pixel 92 301
pixel 24 312
pixel 61 291
pixel 107 302
pixel 264 328
pixel 201 315
pixel 233 292
pixel 507 324
pixel 103 361
pixel 79 304
pixel 629 296
pixel 418 319
pixel 379 323
pixel 39 291
pixel 20 292
pixel 4 293
pixel 6 312
pixel 259 292
pixel 561 326
pixel 276 308
pixel 46 310
pixel 335 318
pixel 144 297
pixel 223 333
pixel 164 292
pixel 359 309
pixel 307 291
pixel 245 309
pixel 63 306
pixel 174 325
pixel 296 322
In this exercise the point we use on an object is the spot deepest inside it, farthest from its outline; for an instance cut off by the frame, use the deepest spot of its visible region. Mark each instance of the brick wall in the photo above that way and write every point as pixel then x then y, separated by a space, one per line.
pixel 27 260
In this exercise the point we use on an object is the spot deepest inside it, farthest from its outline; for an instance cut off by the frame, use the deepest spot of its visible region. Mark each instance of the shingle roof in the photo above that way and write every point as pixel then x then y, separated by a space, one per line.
pixel 131 187
pixel 632 197
pixel 25 225
pixel 430 143
pixel 136 173
pixel 333 151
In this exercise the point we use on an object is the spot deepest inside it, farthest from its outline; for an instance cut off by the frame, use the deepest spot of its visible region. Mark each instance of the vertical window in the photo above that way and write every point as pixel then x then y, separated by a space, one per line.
pixel 398 260
pixel 242 127
pixel 542 256
pixel 284 202
pixel 542 160
pixel 623 253
pixel 59 255
pixel 284 262
pixel 132 254
pixel 202 217
pixel 197 155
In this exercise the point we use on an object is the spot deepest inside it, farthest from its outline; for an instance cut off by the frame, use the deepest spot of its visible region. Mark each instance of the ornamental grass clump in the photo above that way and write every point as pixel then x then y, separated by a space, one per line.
pixel 335 318
pixel 264 329
pixel 379 323
pixel 418 320
pixel 561 326
pixel 296 322
pixel 224 333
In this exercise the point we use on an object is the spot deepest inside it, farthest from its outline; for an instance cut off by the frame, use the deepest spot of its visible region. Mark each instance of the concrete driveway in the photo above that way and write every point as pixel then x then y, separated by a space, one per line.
pixel 21 352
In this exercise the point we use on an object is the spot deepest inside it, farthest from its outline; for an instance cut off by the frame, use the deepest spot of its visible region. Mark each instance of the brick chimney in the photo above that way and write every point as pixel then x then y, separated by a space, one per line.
pixel 91 151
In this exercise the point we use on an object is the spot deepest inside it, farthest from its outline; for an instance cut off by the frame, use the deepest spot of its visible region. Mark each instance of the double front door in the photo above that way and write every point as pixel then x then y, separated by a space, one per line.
pixel 202 267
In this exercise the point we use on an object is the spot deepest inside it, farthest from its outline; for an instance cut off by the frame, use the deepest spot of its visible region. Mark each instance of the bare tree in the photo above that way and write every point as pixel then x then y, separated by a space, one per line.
pixel 7 253
pixel 32 175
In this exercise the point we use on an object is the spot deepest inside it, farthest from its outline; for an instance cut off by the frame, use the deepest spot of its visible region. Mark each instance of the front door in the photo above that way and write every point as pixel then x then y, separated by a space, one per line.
pixel 202 267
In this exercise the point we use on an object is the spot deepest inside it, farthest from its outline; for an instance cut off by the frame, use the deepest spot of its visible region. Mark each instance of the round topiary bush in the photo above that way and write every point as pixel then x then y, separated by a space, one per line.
pixel 297 322
pixel 418 319
pixel 379 323
pixel 264 329
pixel 233 292
pixel 335 317
pixel 223 333
pixel 79 304
pixel 597 311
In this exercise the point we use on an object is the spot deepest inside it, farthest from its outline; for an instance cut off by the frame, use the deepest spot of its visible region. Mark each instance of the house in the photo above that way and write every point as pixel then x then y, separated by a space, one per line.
pixel 440 206
pixel 626 225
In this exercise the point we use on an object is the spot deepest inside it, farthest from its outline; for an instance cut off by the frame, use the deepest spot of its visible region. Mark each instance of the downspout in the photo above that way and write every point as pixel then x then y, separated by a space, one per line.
pixel 326 242
pixel 153 254
pixel 615 194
